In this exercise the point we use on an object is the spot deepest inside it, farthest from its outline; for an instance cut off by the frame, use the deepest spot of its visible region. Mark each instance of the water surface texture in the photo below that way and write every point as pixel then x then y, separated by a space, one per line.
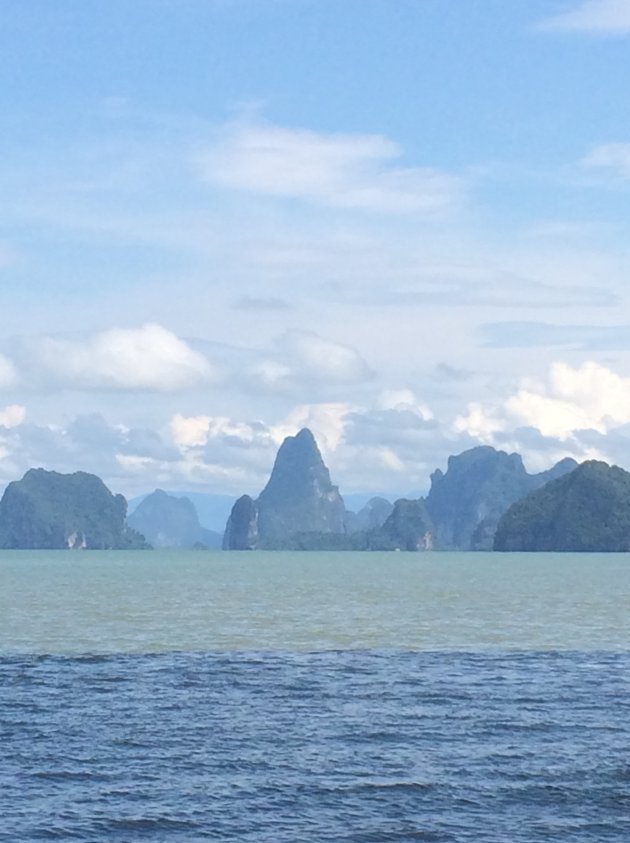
pixel 281 748
pixel 98 602
pixel 314 698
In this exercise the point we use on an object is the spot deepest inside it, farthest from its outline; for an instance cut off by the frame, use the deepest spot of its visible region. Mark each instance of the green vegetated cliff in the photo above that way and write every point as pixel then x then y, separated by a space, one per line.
pixel 170 521
pixel 300 509
pixel 484 500
pixel 49 510
pixel 586 510
pixel 466 503
pixel 408 527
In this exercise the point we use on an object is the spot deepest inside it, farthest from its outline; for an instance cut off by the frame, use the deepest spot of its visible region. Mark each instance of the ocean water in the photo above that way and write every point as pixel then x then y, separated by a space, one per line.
pixel 283 698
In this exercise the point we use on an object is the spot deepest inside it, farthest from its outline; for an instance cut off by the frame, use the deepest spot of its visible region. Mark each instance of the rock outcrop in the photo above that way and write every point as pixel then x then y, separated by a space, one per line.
pixel 408 527
pixel 585 510
pixel 169 521
pixel 299 498
pixel 241 532
pixel 54 511
pixel 466 503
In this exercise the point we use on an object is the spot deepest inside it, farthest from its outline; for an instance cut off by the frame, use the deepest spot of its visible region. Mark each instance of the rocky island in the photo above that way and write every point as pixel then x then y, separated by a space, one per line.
pixel 171 521
pixel 485 500
pixel 301 509
pixel 586 510
pixel 299 498
pixel 47 510
pixel 466 503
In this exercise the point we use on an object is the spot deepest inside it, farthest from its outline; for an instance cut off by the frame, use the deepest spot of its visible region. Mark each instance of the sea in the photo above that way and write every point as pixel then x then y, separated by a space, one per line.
pixel 176 697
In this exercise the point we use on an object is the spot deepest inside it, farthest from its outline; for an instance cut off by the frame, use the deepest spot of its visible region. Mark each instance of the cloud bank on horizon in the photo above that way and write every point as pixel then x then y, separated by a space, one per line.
pixel 224 222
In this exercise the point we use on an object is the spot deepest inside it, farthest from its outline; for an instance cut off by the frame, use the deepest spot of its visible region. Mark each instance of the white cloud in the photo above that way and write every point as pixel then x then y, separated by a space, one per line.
pixel 480 423
pixel 588 397
pixel 322 359
pixel 189 431
pixel 403 400
pixel 612 157
pixel 270 373
pixel 147 358
pixel 562 407
pixel 339 170
pixel 327 422
pixel 197 431
pixel 12 416
pixel 598 17
pixel 305 359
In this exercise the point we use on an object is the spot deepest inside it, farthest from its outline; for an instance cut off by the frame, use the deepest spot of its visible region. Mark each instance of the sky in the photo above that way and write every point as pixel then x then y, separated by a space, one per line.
pixel 401 223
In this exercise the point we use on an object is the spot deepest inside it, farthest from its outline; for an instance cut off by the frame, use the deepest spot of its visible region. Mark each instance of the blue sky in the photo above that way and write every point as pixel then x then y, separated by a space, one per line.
pixel 401 222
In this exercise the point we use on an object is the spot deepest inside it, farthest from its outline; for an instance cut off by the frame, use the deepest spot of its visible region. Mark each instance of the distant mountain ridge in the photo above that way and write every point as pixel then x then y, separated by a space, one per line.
pixel 212 509
pixel 484 500
pixel 169 521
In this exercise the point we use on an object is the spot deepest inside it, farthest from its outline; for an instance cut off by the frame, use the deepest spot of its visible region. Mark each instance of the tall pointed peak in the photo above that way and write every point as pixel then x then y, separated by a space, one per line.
pixel 298 452
pixel 297 458
pixel 303 439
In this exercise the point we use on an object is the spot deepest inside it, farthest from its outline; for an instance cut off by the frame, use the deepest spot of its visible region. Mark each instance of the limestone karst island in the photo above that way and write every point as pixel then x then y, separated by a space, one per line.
pixel 485 500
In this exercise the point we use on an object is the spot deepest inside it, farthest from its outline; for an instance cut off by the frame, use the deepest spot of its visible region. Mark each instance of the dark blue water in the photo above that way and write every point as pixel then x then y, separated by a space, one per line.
pixel 366 747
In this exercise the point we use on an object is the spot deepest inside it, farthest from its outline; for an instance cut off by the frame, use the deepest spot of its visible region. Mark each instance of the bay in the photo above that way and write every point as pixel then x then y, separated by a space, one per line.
pixel 60 602
pixel 277 697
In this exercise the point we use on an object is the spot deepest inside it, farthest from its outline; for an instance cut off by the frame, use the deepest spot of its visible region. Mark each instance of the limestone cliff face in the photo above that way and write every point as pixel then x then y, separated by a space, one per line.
pixel 466 503
pixel 299 498
pixel 169 521
pixel 408 527
pixel 55 511
pixel 241 532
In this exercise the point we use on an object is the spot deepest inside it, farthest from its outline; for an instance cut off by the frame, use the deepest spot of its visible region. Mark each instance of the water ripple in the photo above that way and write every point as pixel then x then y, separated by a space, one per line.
pixel 330 746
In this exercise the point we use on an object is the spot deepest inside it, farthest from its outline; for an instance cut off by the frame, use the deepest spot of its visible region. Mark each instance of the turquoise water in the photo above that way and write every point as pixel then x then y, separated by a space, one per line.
pixel 118 602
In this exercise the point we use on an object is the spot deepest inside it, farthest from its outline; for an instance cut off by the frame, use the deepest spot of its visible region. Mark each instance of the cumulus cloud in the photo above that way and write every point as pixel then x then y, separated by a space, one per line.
pixel 339 170
pixel 327 422
pixel 480 423
pixel 88 443
pixel 152 358
pixel 388 443
pixel 590 396
pixel 578 412
pixel 323 359
pixel 403 400
pixel 303 358
pixel 149 358
pixel 197 431
pixel 597 17
pixel 365 447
